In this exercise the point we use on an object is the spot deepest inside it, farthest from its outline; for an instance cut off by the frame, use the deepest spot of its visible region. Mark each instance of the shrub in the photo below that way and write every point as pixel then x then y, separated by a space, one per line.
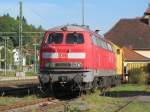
pixel 138 76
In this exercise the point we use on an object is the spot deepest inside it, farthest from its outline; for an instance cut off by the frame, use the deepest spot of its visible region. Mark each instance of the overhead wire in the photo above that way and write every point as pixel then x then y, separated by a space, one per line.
pixel 37 14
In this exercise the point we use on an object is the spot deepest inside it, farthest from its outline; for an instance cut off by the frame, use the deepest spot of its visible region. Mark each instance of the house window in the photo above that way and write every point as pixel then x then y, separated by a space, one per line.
pixel 118 51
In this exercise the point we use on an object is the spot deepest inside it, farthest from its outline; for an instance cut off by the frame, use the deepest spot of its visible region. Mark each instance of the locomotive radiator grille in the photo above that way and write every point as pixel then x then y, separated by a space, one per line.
pixel 63 65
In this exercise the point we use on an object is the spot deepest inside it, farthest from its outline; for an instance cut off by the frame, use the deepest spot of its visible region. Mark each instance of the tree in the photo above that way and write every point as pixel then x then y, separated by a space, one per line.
pixel 7 15
pixel 24 20
pixel 9 24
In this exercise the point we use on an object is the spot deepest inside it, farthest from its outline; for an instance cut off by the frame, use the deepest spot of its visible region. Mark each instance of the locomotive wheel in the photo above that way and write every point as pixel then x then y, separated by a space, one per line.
pixel 94 85
pixel 45 89
pixel 69 89
pixel 57 90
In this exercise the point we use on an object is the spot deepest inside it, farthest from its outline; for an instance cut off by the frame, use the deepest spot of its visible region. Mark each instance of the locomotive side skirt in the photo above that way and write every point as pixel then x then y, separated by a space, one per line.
pixel 86 76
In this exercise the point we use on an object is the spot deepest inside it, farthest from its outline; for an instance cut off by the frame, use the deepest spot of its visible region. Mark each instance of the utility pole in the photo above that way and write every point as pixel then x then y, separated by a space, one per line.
pixel 5 56
pixel 20 38
pixel 35 56
pixel 82 12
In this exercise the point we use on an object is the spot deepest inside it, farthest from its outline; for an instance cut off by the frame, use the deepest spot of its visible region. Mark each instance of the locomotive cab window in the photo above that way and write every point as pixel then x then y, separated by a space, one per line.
pixel 104 44
pixel 99 41
pixel 94 40
pixel 74 38
pixel 109 47
pixel 55 38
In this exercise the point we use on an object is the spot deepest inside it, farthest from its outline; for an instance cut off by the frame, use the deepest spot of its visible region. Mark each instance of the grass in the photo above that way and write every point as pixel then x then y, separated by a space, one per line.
pixel 8 100
pixel 137 107
pixel 95 102
pixel 130 87
pixel 12 100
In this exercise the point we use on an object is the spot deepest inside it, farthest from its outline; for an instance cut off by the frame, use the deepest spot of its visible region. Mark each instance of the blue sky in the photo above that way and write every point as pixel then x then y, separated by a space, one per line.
pixel 102 14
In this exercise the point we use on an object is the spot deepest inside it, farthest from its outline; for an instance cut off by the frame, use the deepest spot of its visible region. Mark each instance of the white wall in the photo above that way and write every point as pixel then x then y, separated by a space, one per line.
pixel 16 57
pixel 145 53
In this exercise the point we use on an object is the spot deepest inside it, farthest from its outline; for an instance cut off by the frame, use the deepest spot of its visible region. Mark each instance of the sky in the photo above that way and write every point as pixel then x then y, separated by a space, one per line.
pixel 99 14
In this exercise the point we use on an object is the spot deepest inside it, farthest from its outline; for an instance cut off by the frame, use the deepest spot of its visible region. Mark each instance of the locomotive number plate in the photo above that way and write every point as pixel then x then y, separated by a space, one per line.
pixel 63 55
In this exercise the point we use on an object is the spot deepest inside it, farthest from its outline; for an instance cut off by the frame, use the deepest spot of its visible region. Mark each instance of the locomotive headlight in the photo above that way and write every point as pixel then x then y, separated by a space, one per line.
pixel 76 65
pixel 79 65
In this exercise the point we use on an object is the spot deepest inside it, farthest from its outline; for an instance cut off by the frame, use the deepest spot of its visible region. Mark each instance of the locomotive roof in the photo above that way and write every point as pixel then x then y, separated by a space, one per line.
pixel 71 28
pixel 74 28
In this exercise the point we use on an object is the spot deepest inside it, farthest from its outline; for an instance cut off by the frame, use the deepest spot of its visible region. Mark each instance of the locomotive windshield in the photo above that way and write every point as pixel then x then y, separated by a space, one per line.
pixel 55 38
pixel 74 38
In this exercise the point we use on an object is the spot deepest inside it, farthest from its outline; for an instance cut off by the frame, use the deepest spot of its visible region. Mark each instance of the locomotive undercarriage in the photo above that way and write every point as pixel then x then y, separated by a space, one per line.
pixel 69 83
pixel 60 82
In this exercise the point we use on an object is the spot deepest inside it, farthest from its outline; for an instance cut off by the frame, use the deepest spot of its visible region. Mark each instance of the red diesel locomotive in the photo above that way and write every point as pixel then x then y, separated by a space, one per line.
pixel 75 58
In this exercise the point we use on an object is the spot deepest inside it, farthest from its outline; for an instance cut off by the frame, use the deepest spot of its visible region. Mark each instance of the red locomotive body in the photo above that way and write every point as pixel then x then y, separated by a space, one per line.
pixel 78 56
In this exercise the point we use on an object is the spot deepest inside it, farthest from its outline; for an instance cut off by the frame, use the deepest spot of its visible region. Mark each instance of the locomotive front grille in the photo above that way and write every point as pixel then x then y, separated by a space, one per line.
pixel 60 65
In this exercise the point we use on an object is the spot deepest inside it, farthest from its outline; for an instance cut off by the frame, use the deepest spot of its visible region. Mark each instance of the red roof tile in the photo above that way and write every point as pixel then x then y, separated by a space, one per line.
pixel 131 33
pixel 130 55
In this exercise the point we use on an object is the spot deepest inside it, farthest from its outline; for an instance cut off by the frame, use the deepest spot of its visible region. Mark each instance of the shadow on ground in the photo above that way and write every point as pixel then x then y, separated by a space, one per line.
pixel 19 90
pixel 26 90
pixel 126 93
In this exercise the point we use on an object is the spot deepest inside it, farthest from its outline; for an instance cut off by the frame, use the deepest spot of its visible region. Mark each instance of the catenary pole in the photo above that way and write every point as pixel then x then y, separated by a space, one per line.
pixel 20 38
pixel 5 56
pixel 83 12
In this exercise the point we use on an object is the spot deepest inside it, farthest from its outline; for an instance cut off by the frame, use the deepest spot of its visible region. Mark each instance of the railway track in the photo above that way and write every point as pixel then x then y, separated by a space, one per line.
pixel 18 91
pixel 21 88
pixel 28 106
pixel 18 87
pixel 9 83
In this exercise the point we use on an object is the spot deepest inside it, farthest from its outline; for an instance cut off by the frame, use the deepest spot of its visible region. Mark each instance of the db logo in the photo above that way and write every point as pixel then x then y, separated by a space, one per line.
pixel 63 55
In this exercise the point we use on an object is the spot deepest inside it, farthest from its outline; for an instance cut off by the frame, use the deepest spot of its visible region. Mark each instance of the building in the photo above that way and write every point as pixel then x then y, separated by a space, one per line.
pixel 131 56
pixel 16 57
pixel 133 36
pixel 133 33
pixel 134 63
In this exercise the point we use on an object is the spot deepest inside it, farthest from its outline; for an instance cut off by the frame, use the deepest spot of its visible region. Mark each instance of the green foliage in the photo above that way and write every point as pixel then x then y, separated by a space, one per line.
pixel 10 24
pixel 30 73
pixel 138 75
pixel 9 57
pixel 9 74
